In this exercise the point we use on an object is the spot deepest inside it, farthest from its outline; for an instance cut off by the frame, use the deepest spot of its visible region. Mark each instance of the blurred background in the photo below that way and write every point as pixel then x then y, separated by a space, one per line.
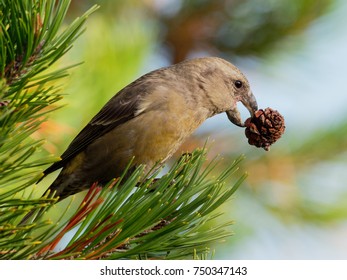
pixel 293 204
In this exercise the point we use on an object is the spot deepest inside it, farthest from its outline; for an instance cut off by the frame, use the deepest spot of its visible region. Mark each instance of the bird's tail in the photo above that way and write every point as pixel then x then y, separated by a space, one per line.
pixel 47 194
pixel 29 215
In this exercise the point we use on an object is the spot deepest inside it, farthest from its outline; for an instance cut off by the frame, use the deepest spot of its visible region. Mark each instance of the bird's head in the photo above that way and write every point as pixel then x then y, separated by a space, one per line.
pixel 223 85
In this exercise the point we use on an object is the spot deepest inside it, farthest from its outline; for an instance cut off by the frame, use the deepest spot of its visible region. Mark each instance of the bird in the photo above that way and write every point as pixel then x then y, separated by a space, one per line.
pixel 148 120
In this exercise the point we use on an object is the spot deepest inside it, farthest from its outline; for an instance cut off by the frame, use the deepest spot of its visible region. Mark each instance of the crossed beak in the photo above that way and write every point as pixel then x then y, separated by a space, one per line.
pixel 249 102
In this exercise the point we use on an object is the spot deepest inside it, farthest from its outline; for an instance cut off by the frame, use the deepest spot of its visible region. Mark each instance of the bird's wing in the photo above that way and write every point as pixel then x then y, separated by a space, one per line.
pixel 121 108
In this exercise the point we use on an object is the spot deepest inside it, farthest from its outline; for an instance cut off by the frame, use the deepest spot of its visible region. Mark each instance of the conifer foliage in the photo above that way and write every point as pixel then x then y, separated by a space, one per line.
pixel 171 217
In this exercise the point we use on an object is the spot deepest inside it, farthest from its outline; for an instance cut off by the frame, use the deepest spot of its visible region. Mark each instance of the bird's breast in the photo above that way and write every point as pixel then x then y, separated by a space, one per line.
pixel 160 135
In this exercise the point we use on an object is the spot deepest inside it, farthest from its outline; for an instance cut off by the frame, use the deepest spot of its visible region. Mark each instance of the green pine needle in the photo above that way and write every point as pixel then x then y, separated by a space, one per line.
pixel 166 218
pixel 31 40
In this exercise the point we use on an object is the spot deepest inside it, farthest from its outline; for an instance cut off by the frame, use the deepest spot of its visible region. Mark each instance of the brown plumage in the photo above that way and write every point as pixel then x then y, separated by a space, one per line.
pixel 149 119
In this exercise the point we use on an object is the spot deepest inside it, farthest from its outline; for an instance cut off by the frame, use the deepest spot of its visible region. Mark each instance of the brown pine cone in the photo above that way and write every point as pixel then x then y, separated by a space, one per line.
pixel 264 128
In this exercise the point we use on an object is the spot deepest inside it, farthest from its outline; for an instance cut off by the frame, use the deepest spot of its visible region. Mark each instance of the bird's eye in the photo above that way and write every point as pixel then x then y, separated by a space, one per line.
pixel 238 84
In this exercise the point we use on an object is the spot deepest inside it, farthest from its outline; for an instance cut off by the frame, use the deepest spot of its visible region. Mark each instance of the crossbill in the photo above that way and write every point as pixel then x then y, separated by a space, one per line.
pixel 149 119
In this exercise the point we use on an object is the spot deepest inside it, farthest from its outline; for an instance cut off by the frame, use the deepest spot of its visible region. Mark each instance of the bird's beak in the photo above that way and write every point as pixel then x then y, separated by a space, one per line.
pixel 249 102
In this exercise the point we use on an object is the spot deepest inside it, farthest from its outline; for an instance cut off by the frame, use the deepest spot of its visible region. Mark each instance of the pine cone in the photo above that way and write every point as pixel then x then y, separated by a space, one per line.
pixel 264 128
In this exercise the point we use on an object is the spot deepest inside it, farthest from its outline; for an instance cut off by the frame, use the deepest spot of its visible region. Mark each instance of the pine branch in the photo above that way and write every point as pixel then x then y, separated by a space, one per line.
pixel 166 218
pixel 30 43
